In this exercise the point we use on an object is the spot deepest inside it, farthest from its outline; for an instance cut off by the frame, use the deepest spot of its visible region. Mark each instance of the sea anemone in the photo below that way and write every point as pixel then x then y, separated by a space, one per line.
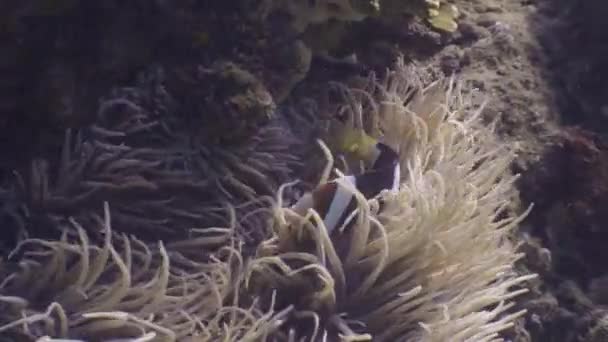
pixel 161 175
pixel 126 288
pixel 436 263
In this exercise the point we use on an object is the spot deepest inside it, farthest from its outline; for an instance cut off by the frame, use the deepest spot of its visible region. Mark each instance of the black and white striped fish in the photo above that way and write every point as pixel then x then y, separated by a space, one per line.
pixel 335 202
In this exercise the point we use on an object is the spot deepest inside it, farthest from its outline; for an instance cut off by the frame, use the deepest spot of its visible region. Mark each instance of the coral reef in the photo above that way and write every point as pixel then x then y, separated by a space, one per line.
pixel 573 33
pixel 89 48
pixel 568 187
pixel 435 263
pixel 186 117
pixel 228 104
pixel 332 31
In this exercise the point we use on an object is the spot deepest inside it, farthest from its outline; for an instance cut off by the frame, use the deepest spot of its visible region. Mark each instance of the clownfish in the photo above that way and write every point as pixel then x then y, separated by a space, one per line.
pixel 333 200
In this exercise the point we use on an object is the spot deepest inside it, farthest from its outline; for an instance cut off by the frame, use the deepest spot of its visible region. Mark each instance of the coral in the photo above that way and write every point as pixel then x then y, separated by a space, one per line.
pixel 568 185
pixel 439 14
pixel 308 13
pixel 559 26
pixel 317 28
pixel 226 102
pixel 569 189
pixel 333 33
pixel 290 65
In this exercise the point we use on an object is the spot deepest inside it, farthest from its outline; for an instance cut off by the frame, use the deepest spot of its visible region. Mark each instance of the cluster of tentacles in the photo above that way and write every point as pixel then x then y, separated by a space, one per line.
pixel 161 176
pixel 127 288
pixel 435 264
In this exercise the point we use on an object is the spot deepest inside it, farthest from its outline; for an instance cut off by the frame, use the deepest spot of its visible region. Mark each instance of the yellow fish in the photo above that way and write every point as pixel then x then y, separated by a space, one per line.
pixel 352 141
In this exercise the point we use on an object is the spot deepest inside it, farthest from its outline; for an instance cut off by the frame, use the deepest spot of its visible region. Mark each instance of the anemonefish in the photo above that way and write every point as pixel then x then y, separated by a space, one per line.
pixel 334 201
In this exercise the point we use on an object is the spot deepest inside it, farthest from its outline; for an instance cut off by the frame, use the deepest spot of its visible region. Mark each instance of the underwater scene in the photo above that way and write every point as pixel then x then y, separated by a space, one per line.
pixel 304 170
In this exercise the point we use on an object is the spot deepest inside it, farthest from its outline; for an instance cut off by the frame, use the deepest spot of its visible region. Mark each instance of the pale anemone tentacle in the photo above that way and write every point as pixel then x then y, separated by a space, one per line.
pixel 434 264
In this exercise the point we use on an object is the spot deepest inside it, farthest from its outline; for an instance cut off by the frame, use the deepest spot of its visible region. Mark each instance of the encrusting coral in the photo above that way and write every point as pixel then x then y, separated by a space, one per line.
pixel 332 32
pixel 432 262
